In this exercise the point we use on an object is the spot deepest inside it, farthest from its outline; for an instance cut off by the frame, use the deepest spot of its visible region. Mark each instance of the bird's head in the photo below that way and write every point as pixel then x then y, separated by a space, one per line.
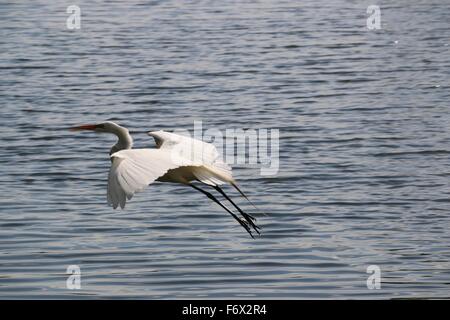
pixel 107 126
pixel 124 142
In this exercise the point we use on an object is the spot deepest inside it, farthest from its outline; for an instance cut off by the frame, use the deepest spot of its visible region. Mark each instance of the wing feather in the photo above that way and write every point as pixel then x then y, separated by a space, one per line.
pixel 133 170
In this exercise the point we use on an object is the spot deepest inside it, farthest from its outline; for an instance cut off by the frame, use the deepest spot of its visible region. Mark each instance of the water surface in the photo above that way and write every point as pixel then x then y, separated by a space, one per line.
pixel 364 148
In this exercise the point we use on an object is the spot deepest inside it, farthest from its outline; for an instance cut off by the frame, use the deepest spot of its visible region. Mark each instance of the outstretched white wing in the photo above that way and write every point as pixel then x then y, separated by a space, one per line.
pixel 211 169
pixel 132 170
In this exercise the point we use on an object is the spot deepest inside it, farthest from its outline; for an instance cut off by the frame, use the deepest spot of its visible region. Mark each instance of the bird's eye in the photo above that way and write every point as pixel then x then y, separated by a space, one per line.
pixel 101 126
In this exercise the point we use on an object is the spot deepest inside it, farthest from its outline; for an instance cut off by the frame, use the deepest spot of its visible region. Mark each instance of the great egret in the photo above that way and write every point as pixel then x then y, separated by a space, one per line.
pixel 177 159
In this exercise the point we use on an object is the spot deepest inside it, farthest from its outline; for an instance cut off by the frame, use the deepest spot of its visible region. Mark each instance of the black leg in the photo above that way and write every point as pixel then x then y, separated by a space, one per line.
pixel 243 194
pixel 210 196
pixel 251 220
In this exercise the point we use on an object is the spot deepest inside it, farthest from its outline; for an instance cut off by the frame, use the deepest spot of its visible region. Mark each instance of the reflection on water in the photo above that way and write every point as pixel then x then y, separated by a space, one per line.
pixel 364 148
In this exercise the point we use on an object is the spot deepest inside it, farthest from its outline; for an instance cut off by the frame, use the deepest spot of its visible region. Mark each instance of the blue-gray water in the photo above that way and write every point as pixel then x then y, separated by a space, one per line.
pixel 364 148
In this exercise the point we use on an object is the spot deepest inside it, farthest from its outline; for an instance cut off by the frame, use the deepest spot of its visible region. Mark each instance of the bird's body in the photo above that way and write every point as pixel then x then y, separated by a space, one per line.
pixel 177 159
pixel 179 175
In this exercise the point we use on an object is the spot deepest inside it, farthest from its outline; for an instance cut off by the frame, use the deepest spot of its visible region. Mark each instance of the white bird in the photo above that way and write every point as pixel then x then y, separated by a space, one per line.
pixel 177 159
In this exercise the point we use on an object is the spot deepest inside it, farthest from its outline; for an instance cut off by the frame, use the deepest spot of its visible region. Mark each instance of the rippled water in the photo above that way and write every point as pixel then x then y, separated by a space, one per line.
pixel 364 148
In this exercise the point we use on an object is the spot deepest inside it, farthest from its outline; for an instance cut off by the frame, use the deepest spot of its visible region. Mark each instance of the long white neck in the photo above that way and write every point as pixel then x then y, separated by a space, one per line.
pixel 124 140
